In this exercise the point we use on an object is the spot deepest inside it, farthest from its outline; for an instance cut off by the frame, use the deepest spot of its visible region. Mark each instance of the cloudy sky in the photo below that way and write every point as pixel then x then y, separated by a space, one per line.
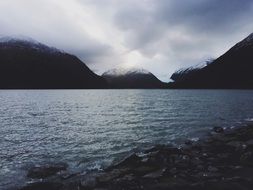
pixel 159 35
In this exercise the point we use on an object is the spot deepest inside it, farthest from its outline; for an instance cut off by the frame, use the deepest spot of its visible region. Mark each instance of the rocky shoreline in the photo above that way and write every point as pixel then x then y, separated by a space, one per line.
pixel 222 160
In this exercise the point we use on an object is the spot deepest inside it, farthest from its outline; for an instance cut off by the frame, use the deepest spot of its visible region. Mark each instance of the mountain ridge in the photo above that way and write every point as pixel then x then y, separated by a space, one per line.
pixel 33 65
pixel 132 78
pixel 232 70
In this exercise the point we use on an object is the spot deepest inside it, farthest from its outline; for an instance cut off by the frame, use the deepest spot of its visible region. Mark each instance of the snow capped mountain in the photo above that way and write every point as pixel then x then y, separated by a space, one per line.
pixel 16 38
pixel 195 67
pixel 232 70
pixel 244 43
pixel 181 73
pixel 22 42
pixel 28 64
pixel 124 71
pixel 132 78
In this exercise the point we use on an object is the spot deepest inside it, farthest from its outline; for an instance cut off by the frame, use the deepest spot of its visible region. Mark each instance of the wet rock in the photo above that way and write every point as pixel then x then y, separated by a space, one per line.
pixel 41 172
pixel 89 182
pixel 247 158
pixel 250 142
pixel 235 144
pixel 128 177
pixel 200 167
pixel 159 148
pixel 188 142
pixel 43 186
pixel 171 172
pixel 139 171
pixel 66 175
pixel 208 175
pixel 155 174
pixel 218 129
pixel 212 169
pixel 165 157
pixel 130 161
pixel 108 176
pixel 170 183
pixel 217 185
pixel 223 156
pixel 196 161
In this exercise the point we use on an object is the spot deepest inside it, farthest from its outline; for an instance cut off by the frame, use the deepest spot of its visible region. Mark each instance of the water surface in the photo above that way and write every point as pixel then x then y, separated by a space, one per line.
pixel 89 129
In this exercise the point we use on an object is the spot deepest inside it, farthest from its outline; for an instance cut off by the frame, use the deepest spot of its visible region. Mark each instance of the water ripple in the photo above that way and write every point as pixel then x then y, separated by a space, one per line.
pixel 89 129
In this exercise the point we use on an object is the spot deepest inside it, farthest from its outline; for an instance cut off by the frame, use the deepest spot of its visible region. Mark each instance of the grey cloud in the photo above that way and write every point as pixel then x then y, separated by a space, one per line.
pixel 93 52
pixel 193 18
pixel 205 15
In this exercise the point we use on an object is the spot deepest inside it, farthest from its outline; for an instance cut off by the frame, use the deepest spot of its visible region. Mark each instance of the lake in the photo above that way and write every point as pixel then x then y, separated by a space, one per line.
pixel 90 129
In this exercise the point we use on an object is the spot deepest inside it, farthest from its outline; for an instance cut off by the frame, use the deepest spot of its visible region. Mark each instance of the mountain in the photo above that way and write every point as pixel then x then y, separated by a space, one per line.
pixel 181 74
pixel 28 64
pixel 233 70
pixel 132 78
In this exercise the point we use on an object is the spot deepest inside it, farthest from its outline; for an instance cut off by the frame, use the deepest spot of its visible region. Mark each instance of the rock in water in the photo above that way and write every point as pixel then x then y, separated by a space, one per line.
pixel 218 129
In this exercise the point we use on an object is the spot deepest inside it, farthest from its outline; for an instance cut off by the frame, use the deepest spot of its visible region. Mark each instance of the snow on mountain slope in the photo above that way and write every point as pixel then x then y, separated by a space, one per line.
pixel 132 78
pixel 26 42
pixel 244 43
pixel 124 71
pixel 195 67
